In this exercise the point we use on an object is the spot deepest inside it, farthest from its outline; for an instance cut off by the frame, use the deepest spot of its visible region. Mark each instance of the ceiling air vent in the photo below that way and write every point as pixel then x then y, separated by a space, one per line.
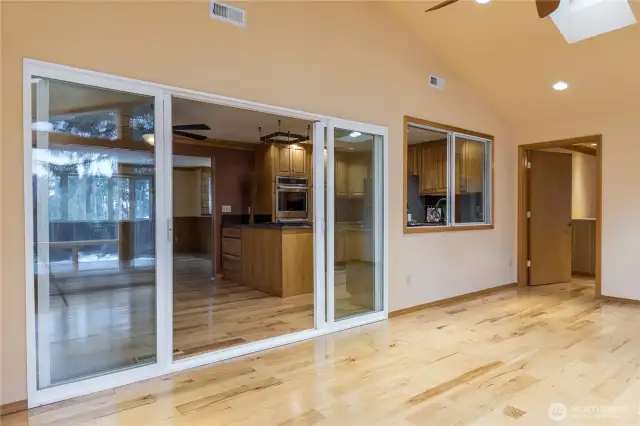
pixel 227 13
pixel 437 82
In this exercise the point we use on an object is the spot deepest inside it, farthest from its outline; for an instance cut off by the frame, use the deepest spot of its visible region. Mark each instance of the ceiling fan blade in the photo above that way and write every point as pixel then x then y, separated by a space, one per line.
pixel 441 5
pixel 189 135
pixel 546 7
pixel 191 127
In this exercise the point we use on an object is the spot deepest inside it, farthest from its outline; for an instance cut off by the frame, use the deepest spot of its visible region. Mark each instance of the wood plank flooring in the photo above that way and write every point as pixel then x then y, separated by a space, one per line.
pixel 106 322
pixel 502 359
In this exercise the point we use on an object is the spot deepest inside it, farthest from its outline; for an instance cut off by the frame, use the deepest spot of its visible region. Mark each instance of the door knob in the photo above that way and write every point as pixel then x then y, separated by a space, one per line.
pixel 569 222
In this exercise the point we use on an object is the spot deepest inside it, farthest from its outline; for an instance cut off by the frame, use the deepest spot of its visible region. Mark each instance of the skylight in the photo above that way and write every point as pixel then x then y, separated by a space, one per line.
pixel 578 20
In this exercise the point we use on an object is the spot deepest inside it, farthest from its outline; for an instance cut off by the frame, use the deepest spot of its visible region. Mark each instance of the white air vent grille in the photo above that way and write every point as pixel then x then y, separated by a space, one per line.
pixel 437 82
pixel 227 13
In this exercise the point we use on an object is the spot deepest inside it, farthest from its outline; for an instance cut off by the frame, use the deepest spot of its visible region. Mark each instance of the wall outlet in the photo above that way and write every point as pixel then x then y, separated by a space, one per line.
pixel 409 279
pixel 226 209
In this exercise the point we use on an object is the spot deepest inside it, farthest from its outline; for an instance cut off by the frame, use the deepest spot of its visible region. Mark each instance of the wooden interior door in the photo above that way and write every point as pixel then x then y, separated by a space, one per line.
pixel 550 222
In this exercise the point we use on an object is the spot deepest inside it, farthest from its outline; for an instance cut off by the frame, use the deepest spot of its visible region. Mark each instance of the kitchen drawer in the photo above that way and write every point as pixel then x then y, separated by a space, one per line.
pixel 232 246
pixel 231 263
pixel 232 232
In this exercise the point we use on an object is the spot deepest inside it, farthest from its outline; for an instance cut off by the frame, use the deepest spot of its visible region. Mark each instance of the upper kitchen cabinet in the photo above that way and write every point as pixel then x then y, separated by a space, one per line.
pixel 290 160
pixel 469 165
pixel 432 175
pixel 341 174
pixel 282 160
pixel 413 160
pixel 298 161
pixel 351 171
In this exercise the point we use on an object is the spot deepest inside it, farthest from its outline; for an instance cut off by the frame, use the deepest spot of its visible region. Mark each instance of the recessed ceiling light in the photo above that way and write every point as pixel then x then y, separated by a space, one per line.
pixel 483 1
pixel 149 138
pixel 355 134
pixel 351 149
pixel 561 85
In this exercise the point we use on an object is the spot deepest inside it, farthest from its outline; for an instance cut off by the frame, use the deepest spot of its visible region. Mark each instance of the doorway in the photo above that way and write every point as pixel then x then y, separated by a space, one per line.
pixel 560 212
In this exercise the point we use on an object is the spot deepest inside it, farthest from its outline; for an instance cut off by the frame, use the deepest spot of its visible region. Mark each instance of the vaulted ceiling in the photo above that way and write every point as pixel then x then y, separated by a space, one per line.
pixel 511 58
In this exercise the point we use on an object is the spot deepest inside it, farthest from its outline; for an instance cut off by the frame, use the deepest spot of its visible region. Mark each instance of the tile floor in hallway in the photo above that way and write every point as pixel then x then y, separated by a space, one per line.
pixel 502 359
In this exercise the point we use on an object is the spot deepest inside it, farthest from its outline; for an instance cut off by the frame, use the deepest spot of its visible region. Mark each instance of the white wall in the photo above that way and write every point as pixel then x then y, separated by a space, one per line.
pixel 186 193
pixel 583 197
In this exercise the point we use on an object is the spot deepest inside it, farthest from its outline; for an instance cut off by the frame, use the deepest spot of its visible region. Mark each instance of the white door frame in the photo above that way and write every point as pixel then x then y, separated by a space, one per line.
pixel 93 384
pixel 164 326
pixel 381 305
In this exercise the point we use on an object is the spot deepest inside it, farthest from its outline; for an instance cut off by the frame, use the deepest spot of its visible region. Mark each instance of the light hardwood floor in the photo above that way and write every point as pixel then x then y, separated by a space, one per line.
pixel 502 359
pixel 106 320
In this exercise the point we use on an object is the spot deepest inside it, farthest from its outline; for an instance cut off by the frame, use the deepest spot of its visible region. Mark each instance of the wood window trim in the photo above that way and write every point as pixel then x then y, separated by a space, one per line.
pixel 425 230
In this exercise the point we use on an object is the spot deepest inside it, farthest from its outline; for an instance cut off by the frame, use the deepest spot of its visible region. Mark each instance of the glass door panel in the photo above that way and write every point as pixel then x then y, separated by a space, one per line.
pixel 94 244
pixel 355 203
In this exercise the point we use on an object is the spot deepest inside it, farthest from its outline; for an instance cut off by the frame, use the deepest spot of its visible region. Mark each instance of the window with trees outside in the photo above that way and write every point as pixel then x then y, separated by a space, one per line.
pixel 448 182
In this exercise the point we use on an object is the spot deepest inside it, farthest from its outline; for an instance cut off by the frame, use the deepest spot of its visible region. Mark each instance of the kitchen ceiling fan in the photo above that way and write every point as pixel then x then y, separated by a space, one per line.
pixel 545 7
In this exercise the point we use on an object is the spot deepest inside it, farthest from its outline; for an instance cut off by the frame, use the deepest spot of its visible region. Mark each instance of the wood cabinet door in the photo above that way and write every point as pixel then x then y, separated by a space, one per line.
pixel 461 181
pixel 412 161
pixel 357 175
pixel 283 160
pixel 341 175
pixel 440 168
pixel 474 166
pixel 298 161
pixel 425 175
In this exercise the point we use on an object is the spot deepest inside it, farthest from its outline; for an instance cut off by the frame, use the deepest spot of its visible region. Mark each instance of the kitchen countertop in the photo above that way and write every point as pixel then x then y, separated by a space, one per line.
pixel 420 225
pixel 274 225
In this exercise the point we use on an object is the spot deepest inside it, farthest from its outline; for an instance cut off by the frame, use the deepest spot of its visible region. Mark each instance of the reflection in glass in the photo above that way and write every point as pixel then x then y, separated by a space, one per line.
pixel 356 237
pixel 94 268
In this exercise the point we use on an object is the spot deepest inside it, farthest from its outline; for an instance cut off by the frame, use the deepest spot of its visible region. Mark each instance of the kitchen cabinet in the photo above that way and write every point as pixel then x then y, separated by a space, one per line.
pixel 413 155
pixel 357 176
pixel 341 167
pixel 278 160
pixel 433 168
pixel 290 160
pixel 282 160
pixel 298 161
pixel 470 167
pixel 351 171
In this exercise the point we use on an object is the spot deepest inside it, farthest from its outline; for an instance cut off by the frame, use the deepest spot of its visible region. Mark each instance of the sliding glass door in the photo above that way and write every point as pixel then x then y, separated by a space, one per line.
pixel 355 218
pixel 156 242
pixel 91 188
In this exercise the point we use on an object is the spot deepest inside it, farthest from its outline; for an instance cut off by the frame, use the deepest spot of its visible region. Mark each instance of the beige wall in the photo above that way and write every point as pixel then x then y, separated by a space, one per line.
pixel 620 172
pixel 186 201
pixel 583 197
pixel 368 69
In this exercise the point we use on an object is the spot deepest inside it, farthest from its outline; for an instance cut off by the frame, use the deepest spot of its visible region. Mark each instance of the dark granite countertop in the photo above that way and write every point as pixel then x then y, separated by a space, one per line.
pixel 274 225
